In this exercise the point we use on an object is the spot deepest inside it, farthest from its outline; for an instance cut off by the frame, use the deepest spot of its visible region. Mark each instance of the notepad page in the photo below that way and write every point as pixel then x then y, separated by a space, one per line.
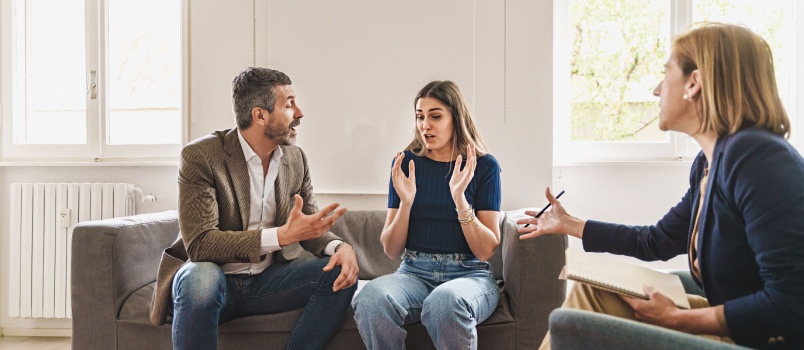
pixel 609 273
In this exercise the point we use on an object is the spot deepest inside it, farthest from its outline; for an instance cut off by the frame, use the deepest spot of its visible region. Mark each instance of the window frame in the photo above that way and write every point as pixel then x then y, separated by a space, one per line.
pixel 678 146
pixel 97 148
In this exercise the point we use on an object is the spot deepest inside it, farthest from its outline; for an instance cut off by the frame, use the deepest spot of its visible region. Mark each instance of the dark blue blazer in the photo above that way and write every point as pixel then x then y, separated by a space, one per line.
pixel 750 239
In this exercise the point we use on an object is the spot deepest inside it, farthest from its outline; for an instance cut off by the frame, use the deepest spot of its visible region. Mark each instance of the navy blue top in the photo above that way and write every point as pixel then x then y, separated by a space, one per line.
pixel 750 238
pixel 434 226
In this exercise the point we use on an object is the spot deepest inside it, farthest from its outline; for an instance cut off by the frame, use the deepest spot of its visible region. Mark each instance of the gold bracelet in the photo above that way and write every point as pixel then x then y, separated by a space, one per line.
pixel 467 220
pixel 468 210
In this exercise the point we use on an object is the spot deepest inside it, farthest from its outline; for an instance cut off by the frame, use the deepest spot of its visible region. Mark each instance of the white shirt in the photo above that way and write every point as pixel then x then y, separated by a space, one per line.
pixel 262 210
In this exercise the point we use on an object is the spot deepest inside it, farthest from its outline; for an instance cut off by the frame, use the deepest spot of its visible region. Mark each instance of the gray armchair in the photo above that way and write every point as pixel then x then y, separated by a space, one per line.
pixel 577 329
pixel 114 264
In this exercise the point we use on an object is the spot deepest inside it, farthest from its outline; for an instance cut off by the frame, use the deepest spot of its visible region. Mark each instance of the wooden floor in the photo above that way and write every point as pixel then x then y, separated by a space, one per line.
pixel 34 343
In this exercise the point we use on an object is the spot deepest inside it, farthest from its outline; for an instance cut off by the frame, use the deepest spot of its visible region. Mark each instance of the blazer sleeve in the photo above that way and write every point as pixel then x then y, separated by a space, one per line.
pixel 199 215
pixel 766 180
pixel 665 240
pixel 662 241
pixel 315 245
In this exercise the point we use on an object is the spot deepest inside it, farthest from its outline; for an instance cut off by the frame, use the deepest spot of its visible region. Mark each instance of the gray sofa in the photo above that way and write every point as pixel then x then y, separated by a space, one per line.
pixel 114 264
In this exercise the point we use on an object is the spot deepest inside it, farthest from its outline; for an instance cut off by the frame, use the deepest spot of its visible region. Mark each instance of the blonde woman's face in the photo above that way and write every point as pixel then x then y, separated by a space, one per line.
pixel 434 123
pixel 677 100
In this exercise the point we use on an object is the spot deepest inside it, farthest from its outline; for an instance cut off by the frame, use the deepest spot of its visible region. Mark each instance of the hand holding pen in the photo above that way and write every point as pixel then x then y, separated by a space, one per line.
pixel 554 221
pixel 546 206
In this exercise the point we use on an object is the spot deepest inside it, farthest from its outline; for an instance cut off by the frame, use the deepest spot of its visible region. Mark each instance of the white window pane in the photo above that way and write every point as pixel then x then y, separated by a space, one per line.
pixel 49 72
pixel 617 53
pixel 144 72
pixel 770 19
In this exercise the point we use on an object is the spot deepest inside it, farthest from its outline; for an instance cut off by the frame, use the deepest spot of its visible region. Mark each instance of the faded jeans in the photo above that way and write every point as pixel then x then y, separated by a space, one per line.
pixel 448 293
pixel 203 297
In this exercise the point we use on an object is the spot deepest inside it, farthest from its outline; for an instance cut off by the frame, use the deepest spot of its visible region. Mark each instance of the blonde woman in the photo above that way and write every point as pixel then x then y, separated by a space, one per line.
pixel 443 219
pixel 741 222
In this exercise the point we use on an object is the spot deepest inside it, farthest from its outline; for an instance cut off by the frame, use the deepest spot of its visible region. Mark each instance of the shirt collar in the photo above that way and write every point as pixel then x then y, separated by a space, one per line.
pixel 250 154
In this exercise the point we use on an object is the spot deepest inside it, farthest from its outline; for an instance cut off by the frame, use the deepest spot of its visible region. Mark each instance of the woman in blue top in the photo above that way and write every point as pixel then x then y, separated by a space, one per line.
pixel 443 214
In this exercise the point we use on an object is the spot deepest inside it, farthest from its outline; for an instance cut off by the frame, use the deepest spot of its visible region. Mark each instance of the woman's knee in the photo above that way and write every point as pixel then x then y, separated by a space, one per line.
pixel 378 297
pixel 371 297
pixel 443 305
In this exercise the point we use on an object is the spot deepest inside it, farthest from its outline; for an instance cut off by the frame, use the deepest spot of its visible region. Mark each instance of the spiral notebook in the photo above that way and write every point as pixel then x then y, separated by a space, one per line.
pixel 621 277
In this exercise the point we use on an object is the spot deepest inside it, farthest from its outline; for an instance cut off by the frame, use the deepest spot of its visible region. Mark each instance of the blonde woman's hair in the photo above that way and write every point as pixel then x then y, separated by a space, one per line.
pixel 464 131
pixel 738 83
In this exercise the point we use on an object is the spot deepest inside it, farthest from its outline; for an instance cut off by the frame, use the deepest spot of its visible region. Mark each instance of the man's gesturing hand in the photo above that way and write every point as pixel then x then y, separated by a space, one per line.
pixel 302 227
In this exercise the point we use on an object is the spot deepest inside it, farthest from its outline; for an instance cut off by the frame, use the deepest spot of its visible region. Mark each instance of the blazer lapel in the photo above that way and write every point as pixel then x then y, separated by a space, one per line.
pixel 710 184
pixel 238 171
pixel 284 197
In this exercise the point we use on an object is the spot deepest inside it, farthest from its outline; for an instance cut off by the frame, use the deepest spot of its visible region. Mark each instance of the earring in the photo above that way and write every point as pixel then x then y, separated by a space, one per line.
pixel 685 97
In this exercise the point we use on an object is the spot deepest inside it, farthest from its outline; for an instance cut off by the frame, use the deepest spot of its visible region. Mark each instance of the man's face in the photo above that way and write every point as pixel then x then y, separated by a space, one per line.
pixel 281 125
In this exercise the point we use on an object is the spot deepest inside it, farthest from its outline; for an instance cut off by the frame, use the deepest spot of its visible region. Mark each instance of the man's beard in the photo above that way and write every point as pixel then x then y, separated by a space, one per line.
pixel 281 135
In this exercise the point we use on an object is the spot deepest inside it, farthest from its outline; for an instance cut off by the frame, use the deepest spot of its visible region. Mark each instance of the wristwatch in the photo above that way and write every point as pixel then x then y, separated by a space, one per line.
pixel 338 247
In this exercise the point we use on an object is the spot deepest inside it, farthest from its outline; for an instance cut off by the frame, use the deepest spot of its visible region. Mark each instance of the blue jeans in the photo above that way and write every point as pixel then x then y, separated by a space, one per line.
pixel 204 297
pixel 449 293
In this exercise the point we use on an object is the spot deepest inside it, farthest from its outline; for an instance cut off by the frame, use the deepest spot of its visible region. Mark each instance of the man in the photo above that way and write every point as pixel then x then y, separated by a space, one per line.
pixel 246 213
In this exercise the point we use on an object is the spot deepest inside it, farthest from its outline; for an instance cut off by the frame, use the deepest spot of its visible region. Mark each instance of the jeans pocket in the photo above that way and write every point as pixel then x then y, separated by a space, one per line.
pixel 475 264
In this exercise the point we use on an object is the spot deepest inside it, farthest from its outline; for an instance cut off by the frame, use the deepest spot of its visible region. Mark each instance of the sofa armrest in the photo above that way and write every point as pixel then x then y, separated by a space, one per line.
pixel 530 271
pixel 577 329
pixel 690 287
pixel 110 260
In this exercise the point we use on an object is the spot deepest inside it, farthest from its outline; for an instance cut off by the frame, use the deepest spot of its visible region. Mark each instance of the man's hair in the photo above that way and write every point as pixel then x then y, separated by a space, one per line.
pixel 464 131
pixel 254 87
pixel 738 83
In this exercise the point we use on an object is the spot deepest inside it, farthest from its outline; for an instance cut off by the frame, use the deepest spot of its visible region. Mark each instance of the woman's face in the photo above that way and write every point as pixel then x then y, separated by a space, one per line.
pixel 434 123
pixel 677 112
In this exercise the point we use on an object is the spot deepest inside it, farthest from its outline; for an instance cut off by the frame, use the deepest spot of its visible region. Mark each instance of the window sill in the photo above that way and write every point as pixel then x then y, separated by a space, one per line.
pixel 169 162
pixel 686 163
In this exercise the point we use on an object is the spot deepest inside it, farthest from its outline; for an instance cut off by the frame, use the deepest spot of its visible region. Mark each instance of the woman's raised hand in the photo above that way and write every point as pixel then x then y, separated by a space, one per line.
pixel 405 186
pixel 460 178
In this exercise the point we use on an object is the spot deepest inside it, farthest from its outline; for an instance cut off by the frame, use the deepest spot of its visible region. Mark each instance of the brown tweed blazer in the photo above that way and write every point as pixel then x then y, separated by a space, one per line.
pixel 214 202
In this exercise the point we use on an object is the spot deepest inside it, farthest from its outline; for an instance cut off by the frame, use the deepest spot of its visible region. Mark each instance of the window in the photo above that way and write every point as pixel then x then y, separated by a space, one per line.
pixel 609 57
pixel 95 78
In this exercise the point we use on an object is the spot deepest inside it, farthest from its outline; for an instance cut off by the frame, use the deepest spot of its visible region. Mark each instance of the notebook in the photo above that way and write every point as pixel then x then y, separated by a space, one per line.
pixel 621 277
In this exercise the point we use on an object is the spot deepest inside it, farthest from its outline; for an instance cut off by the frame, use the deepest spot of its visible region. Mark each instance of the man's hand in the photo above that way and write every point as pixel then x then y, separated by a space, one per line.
pixel 659 310
pixel 302 227
pixel 345 256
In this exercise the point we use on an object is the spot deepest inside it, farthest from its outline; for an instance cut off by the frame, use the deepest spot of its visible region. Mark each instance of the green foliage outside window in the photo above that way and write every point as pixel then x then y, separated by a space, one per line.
pixel 618 48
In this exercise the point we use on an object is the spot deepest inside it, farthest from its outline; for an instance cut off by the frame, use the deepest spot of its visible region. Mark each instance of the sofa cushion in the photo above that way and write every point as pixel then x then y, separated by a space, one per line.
pixel 136 308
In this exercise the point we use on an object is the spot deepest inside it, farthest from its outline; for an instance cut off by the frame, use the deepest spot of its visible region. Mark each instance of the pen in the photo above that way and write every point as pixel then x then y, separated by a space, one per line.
pixel 545 208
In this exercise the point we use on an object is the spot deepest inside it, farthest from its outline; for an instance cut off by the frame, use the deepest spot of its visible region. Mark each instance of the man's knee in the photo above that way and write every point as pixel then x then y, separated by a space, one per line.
pixel 201 282
pixel 331 275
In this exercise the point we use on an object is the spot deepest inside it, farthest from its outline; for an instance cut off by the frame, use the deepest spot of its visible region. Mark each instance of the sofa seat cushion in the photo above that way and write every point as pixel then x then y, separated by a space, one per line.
pixel 136 307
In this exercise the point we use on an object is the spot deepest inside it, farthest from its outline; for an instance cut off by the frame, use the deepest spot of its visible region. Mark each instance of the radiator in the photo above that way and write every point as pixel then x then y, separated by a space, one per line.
pixel 43 216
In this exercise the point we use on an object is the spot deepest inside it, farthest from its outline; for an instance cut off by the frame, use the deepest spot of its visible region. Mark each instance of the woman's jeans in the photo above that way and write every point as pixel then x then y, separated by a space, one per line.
pixel 449 293
pixel 204 297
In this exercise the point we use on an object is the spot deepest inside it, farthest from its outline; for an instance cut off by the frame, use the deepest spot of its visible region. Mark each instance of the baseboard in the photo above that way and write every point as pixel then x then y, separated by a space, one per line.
pixel 36 332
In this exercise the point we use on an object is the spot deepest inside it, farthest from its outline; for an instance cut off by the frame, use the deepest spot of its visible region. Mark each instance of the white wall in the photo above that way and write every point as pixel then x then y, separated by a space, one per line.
pixel 517 125
pixel 623 193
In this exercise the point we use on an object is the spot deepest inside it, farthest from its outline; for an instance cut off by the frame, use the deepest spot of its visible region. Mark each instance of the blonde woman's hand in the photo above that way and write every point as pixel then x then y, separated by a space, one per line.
pixel 405 186
pixel 554 220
